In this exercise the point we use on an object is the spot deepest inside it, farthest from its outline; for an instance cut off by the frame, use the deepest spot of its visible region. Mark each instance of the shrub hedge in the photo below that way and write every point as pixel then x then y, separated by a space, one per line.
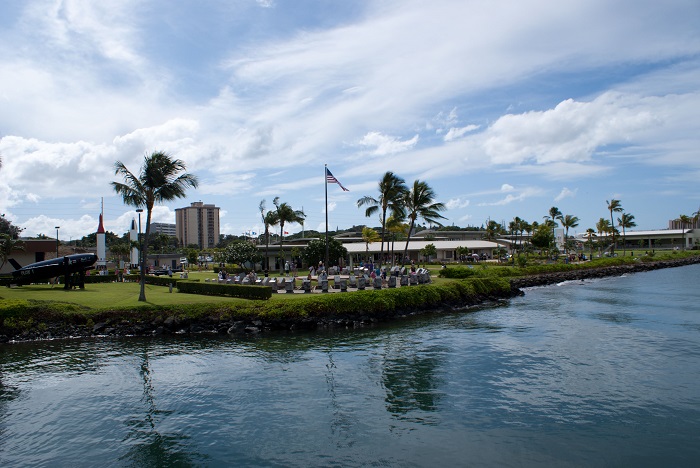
pixel 230 290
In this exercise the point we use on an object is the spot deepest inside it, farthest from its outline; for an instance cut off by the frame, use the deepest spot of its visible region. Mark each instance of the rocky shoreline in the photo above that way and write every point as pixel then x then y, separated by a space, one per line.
pixel 159 324
pixel 590 273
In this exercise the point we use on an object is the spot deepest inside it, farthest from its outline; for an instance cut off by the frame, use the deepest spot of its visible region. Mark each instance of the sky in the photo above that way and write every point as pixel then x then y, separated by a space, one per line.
pixel 504 108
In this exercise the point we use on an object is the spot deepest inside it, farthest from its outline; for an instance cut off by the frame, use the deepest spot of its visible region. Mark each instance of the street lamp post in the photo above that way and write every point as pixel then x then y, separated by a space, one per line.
pixel 142 279
pixel 57 228
pixel 139 211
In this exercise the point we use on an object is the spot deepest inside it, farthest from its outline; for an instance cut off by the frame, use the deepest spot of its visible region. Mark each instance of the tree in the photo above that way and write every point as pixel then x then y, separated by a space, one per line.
pixel 286 214
pixel 6 227
pixel 428 251
pixel 192 256
pixel 269 219
pixel 8 245
pixel 493 229
pixel 685 221
pixel 542 237
pixel 603 227
pixel 120 249
pixel 568 221
pixel 614 206
pixel 551 220
pixel 315 251
pixel 160 179
pixel 369 236
pixel 241 252
pixel 391 196
pixel 419 202
pixel 590 234
pixel 626 221
pixel 397 228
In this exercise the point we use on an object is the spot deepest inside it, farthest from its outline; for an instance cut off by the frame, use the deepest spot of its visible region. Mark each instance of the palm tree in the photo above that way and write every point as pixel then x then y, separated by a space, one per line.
pixel 269 219
pixel 395 226
pixel 529 228
pixel 391 198
pixel 551 218
pixel 603 227
pixel 286 214
pixel 613 206
pixel 626 221
pixel 160 179
pixel 120 249
pixel 568 221
pixel 590 233
pixel 419 202
pixel 369 236
pixel 685 221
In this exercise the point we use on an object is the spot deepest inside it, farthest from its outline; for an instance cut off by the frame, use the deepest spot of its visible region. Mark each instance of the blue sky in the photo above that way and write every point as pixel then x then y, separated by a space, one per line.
pixel 505 108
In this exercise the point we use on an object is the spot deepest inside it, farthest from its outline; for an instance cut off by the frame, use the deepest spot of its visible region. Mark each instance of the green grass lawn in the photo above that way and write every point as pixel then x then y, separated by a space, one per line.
pixel 104 296
pixel 101 296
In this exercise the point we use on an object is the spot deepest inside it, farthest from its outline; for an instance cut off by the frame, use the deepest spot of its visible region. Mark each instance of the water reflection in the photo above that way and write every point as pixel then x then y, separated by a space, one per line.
pixel 147 446
pixel 412 381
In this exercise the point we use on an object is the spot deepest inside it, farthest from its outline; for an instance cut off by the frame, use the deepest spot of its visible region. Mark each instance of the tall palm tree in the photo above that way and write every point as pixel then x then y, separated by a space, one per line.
pixel 269 219
pixel 685 221
pixel 419 202
pixel 568 221
pixel 161 179
pixel 603 227
pixel 396 226
pixel 551 218
pixel 286 214
pixel 626 221
pixel 590 233
pixel 391 198
pixel 614 206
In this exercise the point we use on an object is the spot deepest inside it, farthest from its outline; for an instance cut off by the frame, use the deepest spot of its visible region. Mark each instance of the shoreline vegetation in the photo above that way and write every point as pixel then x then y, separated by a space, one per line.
pixel 467 287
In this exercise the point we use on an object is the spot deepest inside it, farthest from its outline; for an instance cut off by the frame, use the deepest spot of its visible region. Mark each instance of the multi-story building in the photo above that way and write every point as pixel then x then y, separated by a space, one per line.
pixel 164 228
pixel 197 224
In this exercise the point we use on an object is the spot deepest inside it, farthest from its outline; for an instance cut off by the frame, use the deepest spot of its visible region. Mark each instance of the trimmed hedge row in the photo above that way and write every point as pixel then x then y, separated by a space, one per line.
pixel 230 290
pixel 371 303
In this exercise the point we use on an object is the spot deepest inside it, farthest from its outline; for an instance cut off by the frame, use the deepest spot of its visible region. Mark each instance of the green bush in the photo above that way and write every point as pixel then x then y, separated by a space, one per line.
pixel 230 290
pixel 457 272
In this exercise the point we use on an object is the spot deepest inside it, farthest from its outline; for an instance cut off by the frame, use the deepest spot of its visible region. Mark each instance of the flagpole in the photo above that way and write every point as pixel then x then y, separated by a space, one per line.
pixel 325 177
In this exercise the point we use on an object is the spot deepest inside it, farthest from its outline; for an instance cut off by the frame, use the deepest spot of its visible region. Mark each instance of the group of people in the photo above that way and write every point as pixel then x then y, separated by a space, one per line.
pixel 225 276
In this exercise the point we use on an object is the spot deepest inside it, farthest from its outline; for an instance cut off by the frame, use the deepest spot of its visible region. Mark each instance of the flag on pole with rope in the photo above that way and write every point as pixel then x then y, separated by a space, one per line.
pixel 330 178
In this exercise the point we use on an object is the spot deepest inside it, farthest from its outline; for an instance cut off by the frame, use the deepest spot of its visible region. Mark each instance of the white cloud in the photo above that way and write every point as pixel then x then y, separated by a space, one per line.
pixel 565 193
pixel 571 132
pixel 331 207
pixel 510 198
pixel 507 188
pixel 382 145
pixel 455 133
pixel 456 203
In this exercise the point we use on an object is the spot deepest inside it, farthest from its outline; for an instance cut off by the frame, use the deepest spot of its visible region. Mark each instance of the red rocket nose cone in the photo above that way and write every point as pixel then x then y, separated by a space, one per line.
pixel 100 227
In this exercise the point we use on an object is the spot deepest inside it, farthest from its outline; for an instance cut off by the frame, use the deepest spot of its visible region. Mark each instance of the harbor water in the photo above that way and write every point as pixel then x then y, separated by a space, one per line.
pixel 584 373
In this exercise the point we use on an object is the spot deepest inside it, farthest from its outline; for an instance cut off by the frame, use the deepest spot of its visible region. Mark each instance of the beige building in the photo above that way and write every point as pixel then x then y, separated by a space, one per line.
pixel 197 224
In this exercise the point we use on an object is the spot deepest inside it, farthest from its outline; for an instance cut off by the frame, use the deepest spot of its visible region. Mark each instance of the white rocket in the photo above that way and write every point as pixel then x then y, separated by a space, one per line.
pixel 101 246
pixel 134 238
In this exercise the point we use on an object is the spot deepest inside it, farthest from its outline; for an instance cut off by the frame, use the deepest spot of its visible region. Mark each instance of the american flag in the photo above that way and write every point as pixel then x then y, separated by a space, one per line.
pixel 330 178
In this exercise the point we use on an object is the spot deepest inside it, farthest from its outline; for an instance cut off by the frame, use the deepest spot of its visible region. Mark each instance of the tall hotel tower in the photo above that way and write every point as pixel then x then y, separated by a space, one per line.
pixel 197 224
